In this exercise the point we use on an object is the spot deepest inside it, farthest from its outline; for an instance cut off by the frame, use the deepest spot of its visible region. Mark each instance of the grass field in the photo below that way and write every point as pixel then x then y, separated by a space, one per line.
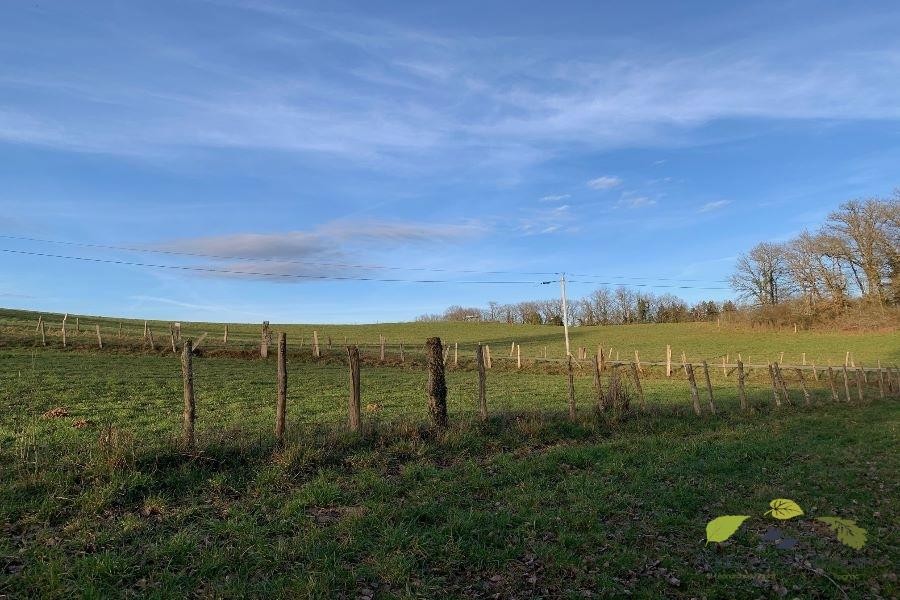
pixel 96 500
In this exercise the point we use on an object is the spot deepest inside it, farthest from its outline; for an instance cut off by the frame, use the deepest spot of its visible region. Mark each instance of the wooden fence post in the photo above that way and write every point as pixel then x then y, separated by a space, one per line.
pixel 172 337
pixel 487 353
pixel 382 348
pixel 709 389
pixel 189 414
pixel 436 385
pixel 316 352
pixel 353 355
pixel 668 360
pixel 264 341
pixel 880 381
pixel 695 394
pixel 482 392
pixel 65 316
pixel 281 400
pixel 43 331
pixel 637 362
pixel 741 391
pixel 518 356
pixel 455 354
pixel 571 388
pixel 600 357
pixel 99 339
pixel 846 384
pixel 40 320
pixel 806 399
pixel 225 337
pixel 781 384
pixel 635 374
pixel 834 394
pixel 598 387
pixel 150 337
pixel 512 349
pixel 775 395
pixel 145 330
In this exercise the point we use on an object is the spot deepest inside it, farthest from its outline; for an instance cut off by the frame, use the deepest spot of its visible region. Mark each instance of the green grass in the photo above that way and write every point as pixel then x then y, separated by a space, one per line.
pixel 698 340
pixel 527 504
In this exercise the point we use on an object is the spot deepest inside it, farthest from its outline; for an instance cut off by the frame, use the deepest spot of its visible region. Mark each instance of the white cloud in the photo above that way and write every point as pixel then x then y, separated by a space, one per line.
pixel 607 182
pixel 554 197
pixel 711 206
pixel 629 200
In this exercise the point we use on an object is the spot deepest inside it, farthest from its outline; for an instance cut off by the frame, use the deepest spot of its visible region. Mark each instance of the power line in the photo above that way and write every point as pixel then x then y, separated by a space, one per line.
pixel 344 265
pixel 255 273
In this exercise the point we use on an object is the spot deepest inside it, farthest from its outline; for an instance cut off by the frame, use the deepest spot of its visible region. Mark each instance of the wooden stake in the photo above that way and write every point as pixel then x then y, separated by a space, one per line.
pixel 806 399
pixel 145 330
pixel 455 354
pixel 487 353
pixel 781 384
pixel 316 344
pixel 518 356
pixel 803 359
pixel 172 337
pixel 709 389
pixel 149 336
pixel 775 395
pixel 846 385
pixel 43 333
pixel 512 349
pixel 598 387
pixel 264 341
pixel 668 360
pixel 65 316
pixel 225 337
pixel 482 394
pixel 99 339
pixel 834 394
pixel 637 362
pixel 437 385
pixel 695 395
pixel 741 391
pixel 39 322
pixel 571 388
pixel 189 414
pixel 281 383
pixel 635 374
pixel 354 409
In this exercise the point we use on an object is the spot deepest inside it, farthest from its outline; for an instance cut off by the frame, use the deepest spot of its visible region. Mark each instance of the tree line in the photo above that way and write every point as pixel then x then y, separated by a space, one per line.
pixel 854 255
pixel 852 259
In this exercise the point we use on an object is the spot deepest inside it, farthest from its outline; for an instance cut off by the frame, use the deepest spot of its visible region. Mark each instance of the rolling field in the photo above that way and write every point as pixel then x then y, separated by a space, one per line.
pixel 97 500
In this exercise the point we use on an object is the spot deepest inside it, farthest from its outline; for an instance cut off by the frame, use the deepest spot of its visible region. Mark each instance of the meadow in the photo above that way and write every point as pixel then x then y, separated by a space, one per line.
pixel 97 500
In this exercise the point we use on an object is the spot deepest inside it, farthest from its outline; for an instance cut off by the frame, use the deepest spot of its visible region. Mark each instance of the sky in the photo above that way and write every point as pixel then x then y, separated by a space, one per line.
pixel 374 161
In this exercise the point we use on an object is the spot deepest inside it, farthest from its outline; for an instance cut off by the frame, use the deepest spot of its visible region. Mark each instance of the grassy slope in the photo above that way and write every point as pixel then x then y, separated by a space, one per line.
pixel 532 506
pixel 698 340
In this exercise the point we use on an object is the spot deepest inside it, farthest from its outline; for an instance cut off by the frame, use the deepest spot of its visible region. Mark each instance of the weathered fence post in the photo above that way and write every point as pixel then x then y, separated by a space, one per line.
pixel 264 341
pixel 806 398
pixel 668 360
pixel 149 334
pixel 281 401
pixel 99 339
pixel 834 394
pixel 518 356
pixel 189 414
pixel 65 316
pixel 742 393
pixel 172 337
pixel 316 352
pixel 43 331
pixel 437 385
pixel 709 388
pixel 455 354
pixel 695 394
pixel 635 374
pixel 482 392
pixel 353 355
pixel 598 387
pixel 637 362
pixel 781 384
pixel 571 388
pixel 775 395
pixel 225 337
pixel 487 354
pixel 512 349
pixel 846 383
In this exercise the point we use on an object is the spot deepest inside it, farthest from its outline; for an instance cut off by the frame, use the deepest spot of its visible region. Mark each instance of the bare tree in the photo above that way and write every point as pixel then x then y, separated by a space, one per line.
pixel 762 275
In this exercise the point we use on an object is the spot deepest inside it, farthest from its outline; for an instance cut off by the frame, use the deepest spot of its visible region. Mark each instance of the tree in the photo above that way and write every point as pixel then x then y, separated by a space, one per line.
pixel 762 275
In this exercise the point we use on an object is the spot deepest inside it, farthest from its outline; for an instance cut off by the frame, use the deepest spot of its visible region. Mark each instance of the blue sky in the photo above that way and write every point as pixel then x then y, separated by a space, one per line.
pixel 644 142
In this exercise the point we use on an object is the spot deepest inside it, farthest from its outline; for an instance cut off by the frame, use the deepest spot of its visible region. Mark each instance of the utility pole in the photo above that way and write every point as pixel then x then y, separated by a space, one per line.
pixel 565 308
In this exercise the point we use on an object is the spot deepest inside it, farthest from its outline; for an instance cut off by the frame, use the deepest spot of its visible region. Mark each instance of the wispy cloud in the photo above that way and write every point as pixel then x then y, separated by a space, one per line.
pixel 713 206
pixel 606 182
pixel 555 197
pixel 635 201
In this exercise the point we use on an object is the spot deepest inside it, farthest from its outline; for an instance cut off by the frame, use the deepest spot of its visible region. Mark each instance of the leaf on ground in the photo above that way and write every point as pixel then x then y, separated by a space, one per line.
pixel 782 508
pixel 848 532
pixel 722 528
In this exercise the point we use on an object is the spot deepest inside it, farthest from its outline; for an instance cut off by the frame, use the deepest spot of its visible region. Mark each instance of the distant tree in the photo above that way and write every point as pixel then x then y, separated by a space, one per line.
pixel 762 275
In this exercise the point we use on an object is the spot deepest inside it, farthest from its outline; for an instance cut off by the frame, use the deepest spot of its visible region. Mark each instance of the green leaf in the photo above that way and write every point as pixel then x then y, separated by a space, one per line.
pixel 782 508
pixel 722 528
pixel 847 531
